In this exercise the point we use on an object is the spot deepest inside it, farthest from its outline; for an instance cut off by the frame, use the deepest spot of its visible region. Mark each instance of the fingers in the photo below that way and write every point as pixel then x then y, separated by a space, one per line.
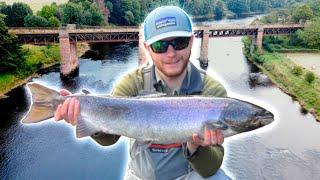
pixel 69 111
pixel 220 137
pixel 196 139
pixel 211 137
pixel 57 114
pixel 64 110
pixel 76 112
pixel 64 92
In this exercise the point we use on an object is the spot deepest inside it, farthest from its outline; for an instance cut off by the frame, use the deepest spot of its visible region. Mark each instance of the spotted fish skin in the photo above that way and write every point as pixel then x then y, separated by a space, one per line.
pixel 156 118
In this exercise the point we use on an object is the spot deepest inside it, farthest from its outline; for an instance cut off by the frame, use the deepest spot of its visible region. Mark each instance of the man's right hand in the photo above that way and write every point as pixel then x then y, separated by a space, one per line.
pixel 69 110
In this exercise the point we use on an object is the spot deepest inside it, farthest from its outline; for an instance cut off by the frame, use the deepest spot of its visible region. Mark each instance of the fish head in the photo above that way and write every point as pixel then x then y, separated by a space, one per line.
pixel 242 116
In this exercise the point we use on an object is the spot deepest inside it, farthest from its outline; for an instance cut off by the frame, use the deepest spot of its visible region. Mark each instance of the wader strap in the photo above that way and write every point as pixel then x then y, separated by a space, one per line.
pixel 147 79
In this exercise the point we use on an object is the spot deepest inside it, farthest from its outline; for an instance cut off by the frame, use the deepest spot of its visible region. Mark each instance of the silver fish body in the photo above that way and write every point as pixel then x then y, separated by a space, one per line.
pixel 157 119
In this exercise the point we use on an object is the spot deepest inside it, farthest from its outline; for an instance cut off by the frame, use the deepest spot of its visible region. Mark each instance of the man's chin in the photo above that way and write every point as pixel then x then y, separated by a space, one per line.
pixel 173 73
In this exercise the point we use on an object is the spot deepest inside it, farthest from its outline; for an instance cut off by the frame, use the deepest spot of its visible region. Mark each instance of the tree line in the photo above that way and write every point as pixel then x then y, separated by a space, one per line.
pixel 307 13
pixel 125 12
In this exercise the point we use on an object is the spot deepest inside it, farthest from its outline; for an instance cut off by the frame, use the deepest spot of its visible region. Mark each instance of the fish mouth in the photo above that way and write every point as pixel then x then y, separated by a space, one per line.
pixel 265 118
pixel 262 119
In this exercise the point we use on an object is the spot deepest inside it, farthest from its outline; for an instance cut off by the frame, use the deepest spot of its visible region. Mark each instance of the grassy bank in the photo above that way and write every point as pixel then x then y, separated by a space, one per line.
pixel 291 78
pixel 37 57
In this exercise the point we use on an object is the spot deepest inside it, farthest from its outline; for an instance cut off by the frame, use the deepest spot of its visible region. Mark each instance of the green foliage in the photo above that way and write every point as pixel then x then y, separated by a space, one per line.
pixel 54 22
pixel 12 56
pixel 303 13
pixel 310 36
pixel 238 6
pixel 15 14
pixel 83 13
pixel 219 10
pixel 73 14
pixel 315 7
pixel 297 70
pixel 48 11
pixel 278 16
pixel 35 21
pixel 259 6
pixel 310 77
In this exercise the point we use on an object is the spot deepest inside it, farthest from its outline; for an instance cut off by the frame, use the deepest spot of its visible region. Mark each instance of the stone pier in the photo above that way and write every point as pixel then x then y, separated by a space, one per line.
pixel 204 48
pixel 259 38
pixel 69 66
pixel 143 55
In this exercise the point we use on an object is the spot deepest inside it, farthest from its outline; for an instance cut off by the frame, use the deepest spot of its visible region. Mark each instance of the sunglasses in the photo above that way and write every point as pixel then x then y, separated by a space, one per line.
pixel 177 44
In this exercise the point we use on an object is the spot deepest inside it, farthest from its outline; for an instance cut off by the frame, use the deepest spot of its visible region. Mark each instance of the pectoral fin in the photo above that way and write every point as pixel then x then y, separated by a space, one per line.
pixel 219 125
pixel 85 128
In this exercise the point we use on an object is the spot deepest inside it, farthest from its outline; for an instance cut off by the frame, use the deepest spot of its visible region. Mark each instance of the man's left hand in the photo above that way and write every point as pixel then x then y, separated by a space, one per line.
pixel 211 137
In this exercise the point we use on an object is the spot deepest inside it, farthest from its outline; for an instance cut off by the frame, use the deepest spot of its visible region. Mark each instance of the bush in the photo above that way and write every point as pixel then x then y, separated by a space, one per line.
pixel 297 70
pixel 310 77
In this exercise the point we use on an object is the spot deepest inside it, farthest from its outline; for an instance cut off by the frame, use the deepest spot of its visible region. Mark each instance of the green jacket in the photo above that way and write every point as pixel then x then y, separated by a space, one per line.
pixel 206 160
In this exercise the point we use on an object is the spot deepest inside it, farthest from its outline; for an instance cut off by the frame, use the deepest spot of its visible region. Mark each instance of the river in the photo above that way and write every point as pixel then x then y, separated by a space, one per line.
pixel 289 148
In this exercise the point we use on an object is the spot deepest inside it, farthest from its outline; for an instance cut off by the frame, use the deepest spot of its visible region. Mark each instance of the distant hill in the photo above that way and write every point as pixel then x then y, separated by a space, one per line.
pixel 35 4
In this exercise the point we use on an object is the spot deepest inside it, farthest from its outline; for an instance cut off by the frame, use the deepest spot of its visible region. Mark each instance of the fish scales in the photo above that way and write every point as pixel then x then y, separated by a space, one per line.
pixel 160 119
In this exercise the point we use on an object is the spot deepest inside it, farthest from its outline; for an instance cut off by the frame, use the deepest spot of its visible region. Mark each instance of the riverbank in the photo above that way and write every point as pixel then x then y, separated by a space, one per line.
pixel 290 76
pixel 40 58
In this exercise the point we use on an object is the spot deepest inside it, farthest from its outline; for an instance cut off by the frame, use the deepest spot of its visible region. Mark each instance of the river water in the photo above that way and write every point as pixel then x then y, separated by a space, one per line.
pixel 289 148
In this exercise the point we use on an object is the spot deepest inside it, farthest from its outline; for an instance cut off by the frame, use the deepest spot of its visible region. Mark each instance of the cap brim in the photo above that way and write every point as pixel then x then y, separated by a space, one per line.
pixel 168 35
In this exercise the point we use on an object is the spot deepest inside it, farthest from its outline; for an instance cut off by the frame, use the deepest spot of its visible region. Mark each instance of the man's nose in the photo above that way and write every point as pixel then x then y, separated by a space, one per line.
pixel 171 51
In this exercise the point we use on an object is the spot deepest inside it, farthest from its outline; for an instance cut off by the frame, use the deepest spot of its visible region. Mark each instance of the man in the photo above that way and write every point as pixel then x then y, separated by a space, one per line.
pixel 168 40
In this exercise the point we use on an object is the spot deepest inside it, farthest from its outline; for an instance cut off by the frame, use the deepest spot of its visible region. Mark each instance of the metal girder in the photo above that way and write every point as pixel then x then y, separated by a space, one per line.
pixel 228 32
pixel 280 31
pixel 105 37
pixel 233 32
pixel 38 38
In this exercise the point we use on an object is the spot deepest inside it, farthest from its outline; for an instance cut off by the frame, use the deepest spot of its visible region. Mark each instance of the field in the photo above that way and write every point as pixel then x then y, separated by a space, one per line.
pixel 310 61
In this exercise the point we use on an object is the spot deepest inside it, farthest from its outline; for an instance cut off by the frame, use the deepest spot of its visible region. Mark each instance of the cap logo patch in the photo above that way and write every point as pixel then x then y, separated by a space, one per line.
pixel 164 22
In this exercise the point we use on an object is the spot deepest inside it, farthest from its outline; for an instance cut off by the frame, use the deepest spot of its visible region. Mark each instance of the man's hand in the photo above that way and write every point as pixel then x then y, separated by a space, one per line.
pixel 211 137
pixel 69 110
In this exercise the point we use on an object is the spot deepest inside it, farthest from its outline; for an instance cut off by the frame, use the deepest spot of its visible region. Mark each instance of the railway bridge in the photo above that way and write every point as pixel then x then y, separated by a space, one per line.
pixel 70 35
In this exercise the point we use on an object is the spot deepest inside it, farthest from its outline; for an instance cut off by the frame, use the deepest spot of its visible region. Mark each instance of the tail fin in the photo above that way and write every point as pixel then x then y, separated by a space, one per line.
pixel 43 104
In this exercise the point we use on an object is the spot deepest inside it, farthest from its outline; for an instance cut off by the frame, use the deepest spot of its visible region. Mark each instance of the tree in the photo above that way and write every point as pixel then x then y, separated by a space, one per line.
pixel 238 6
pixel 73 14
pixel 315 7
pixel 35 21
pixel 95 14
pixel 311 34
pixel 302 13
pixel 48 11
pixel 219 9
pixel 12 56
pixel 54 22
pixel 15 14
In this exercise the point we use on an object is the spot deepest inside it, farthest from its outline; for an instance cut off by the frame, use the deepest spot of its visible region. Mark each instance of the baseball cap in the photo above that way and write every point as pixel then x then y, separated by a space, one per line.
pixel 165 22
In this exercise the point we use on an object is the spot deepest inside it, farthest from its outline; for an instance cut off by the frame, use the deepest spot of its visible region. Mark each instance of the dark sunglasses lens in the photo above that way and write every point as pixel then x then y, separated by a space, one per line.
pixel 178 44
pixel 159 47
pixel 181 43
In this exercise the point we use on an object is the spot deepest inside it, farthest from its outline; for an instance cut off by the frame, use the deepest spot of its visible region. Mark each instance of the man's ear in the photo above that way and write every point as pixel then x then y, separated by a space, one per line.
pixel 191 40
pixel 148 48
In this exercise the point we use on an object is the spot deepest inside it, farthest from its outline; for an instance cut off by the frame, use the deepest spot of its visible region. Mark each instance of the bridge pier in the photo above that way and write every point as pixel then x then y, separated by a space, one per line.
pixel 253 42
pixel 143 55
pixel 259 38
pixel 204 48
pixel 69 66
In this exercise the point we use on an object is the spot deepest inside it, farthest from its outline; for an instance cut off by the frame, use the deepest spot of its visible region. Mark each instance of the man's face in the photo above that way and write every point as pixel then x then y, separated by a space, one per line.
pixel 171 63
